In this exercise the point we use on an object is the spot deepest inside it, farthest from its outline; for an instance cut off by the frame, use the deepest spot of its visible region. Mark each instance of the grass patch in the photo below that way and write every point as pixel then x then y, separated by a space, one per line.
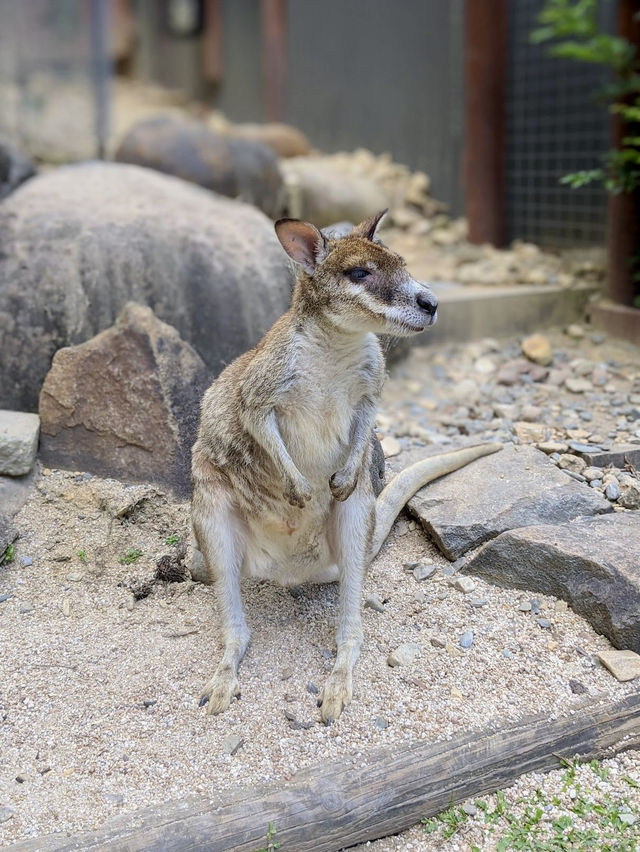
pixel 8 556
pixel 132 555
pixel 588 815
pixel 172 539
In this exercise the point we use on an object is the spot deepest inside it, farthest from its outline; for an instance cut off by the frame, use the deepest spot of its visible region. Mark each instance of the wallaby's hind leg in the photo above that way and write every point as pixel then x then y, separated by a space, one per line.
pixel 351 525
pixel 218 534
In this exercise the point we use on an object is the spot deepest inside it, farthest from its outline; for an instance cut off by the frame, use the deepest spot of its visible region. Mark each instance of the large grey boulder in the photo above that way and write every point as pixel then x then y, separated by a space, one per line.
pixel 126 403
pixel 80 242
pixel 15 168
pixel 237 167
pixel 516 487
pixel 592 563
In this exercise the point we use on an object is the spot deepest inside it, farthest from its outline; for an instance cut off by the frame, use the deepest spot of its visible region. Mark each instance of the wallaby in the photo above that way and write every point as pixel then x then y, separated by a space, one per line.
pixel 282 466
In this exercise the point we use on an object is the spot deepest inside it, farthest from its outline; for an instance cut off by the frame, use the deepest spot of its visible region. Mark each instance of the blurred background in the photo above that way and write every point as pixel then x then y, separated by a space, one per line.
pixel 456 90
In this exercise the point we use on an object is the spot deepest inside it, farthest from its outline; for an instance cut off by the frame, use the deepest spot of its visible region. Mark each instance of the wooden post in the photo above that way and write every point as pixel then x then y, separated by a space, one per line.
pixel 485 91
pixel 212 41
pixel 275 57
pixel 332 806
pixel 623 228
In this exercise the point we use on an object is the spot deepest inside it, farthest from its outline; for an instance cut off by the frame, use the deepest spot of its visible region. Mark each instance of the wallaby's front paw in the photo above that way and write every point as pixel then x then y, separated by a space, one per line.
pixel 343 483
pixel 219 691
pixel 335 696
pixel 298 493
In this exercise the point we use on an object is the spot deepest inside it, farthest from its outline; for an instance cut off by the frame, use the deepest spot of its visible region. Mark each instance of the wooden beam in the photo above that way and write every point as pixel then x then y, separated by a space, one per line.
pixel 331 806
pixel 485 93
pixel 275 57
pixel 623 227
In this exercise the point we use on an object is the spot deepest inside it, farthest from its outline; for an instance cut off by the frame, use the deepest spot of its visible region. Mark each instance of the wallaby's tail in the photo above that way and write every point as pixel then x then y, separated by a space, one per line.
pixel 402 488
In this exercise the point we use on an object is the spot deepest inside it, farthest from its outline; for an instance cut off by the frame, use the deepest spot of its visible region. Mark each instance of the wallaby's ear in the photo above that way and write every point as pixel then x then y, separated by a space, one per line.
pixel 302 242
pixel 367 229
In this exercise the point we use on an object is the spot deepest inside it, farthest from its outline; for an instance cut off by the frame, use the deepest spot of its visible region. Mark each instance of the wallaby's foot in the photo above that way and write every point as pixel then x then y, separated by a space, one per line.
pixel 336 695
pixel 219 691
pixel 343 483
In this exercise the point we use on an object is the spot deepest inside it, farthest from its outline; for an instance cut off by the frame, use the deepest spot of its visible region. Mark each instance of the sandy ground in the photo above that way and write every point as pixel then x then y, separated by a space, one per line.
pixel 103 666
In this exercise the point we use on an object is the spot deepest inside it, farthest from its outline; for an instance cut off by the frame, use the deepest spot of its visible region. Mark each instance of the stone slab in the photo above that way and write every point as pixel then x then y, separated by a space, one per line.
pixel 19 432
pixel 592 563
pixel 516 487
pixel 618 455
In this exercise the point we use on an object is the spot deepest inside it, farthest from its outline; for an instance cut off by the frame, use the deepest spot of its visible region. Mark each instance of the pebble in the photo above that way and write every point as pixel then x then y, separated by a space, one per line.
pixel 403 655
pixel 66 607
pixel 380 723
pixel 438 642
pixel 629 496
pixel 374 602
pixel 576 331
pixel 479 602
pixel 626 818
pixel 612 491
pixel 75 576
pixel 525 606
pixel 466 640
pixel 470 809
pixel 5 597
pixel 423 572
pixel 579 447
pixel 591 473
pixel 312 688
pixel 570 463
pixel 578 384
pixel 507 653
pixel 6 813
pixel 623 665
pixel 465 585
pixel 544 623
pixel 390 446
pixel 25 608
pixel 26 561
pixel 232 744
pixel 550 447
pixel 538 349
pixel 535 605
pixel 577 688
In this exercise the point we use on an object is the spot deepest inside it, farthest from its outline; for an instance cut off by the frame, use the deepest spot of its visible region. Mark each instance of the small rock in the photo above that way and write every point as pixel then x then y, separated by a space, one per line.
pixel 623 665
pixel 466 640
pixel 577 688
pixel 438 642
pixel 571 463
pixel 149 702
pixel 591 473
pixel 232 744
pixel 507 653
pixel 390 446
pixel 373 602
pixel 525 606
pixel 18 442
pixel 75 576
pixel 403 655
pixel 5 597
pixel 544 623
pixel 6 813
pixel 22 778
pixel 630 496
pixel 285 674
pixel 479 602
pixel 550 447
pixel 470 809
pixel 535 605
pixel 530 433
pixel 424 572
pixel 612 491
pixel 578 384
pixel 627 818
pixel 454 692
pixel 25 608
pixel 538 349
pixel 26 561
pixel 561 606
pixel 576 331
pixel 312 688
pixel 66 607
pixel 464 584
pixel 380 723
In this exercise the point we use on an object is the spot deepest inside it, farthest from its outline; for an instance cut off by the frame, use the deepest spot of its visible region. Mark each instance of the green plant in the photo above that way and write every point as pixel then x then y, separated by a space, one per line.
pixel 8 555
pixel 272 843
pixel 82 556
pixel 132 555
pixel 450 821
pixel 572 26
pixel 172 539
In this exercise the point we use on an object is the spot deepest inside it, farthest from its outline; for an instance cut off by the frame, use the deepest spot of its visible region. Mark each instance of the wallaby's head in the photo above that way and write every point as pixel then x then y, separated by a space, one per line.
pixel 355 281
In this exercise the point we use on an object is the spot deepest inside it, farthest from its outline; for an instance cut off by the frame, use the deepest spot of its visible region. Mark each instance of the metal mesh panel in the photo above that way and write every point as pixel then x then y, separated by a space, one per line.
pixel 553 126
pixel 53 76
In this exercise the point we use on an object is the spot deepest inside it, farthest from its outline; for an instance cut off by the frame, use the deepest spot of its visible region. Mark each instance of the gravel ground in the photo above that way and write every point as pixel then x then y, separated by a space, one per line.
pixel 103 663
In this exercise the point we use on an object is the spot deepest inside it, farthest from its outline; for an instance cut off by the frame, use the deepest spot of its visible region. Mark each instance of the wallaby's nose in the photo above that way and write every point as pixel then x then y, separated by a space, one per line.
pixel 427 302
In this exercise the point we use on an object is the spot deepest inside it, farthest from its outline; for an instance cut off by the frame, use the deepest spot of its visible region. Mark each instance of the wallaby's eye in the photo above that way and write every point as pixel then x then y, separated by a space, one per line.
pixel 357 273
